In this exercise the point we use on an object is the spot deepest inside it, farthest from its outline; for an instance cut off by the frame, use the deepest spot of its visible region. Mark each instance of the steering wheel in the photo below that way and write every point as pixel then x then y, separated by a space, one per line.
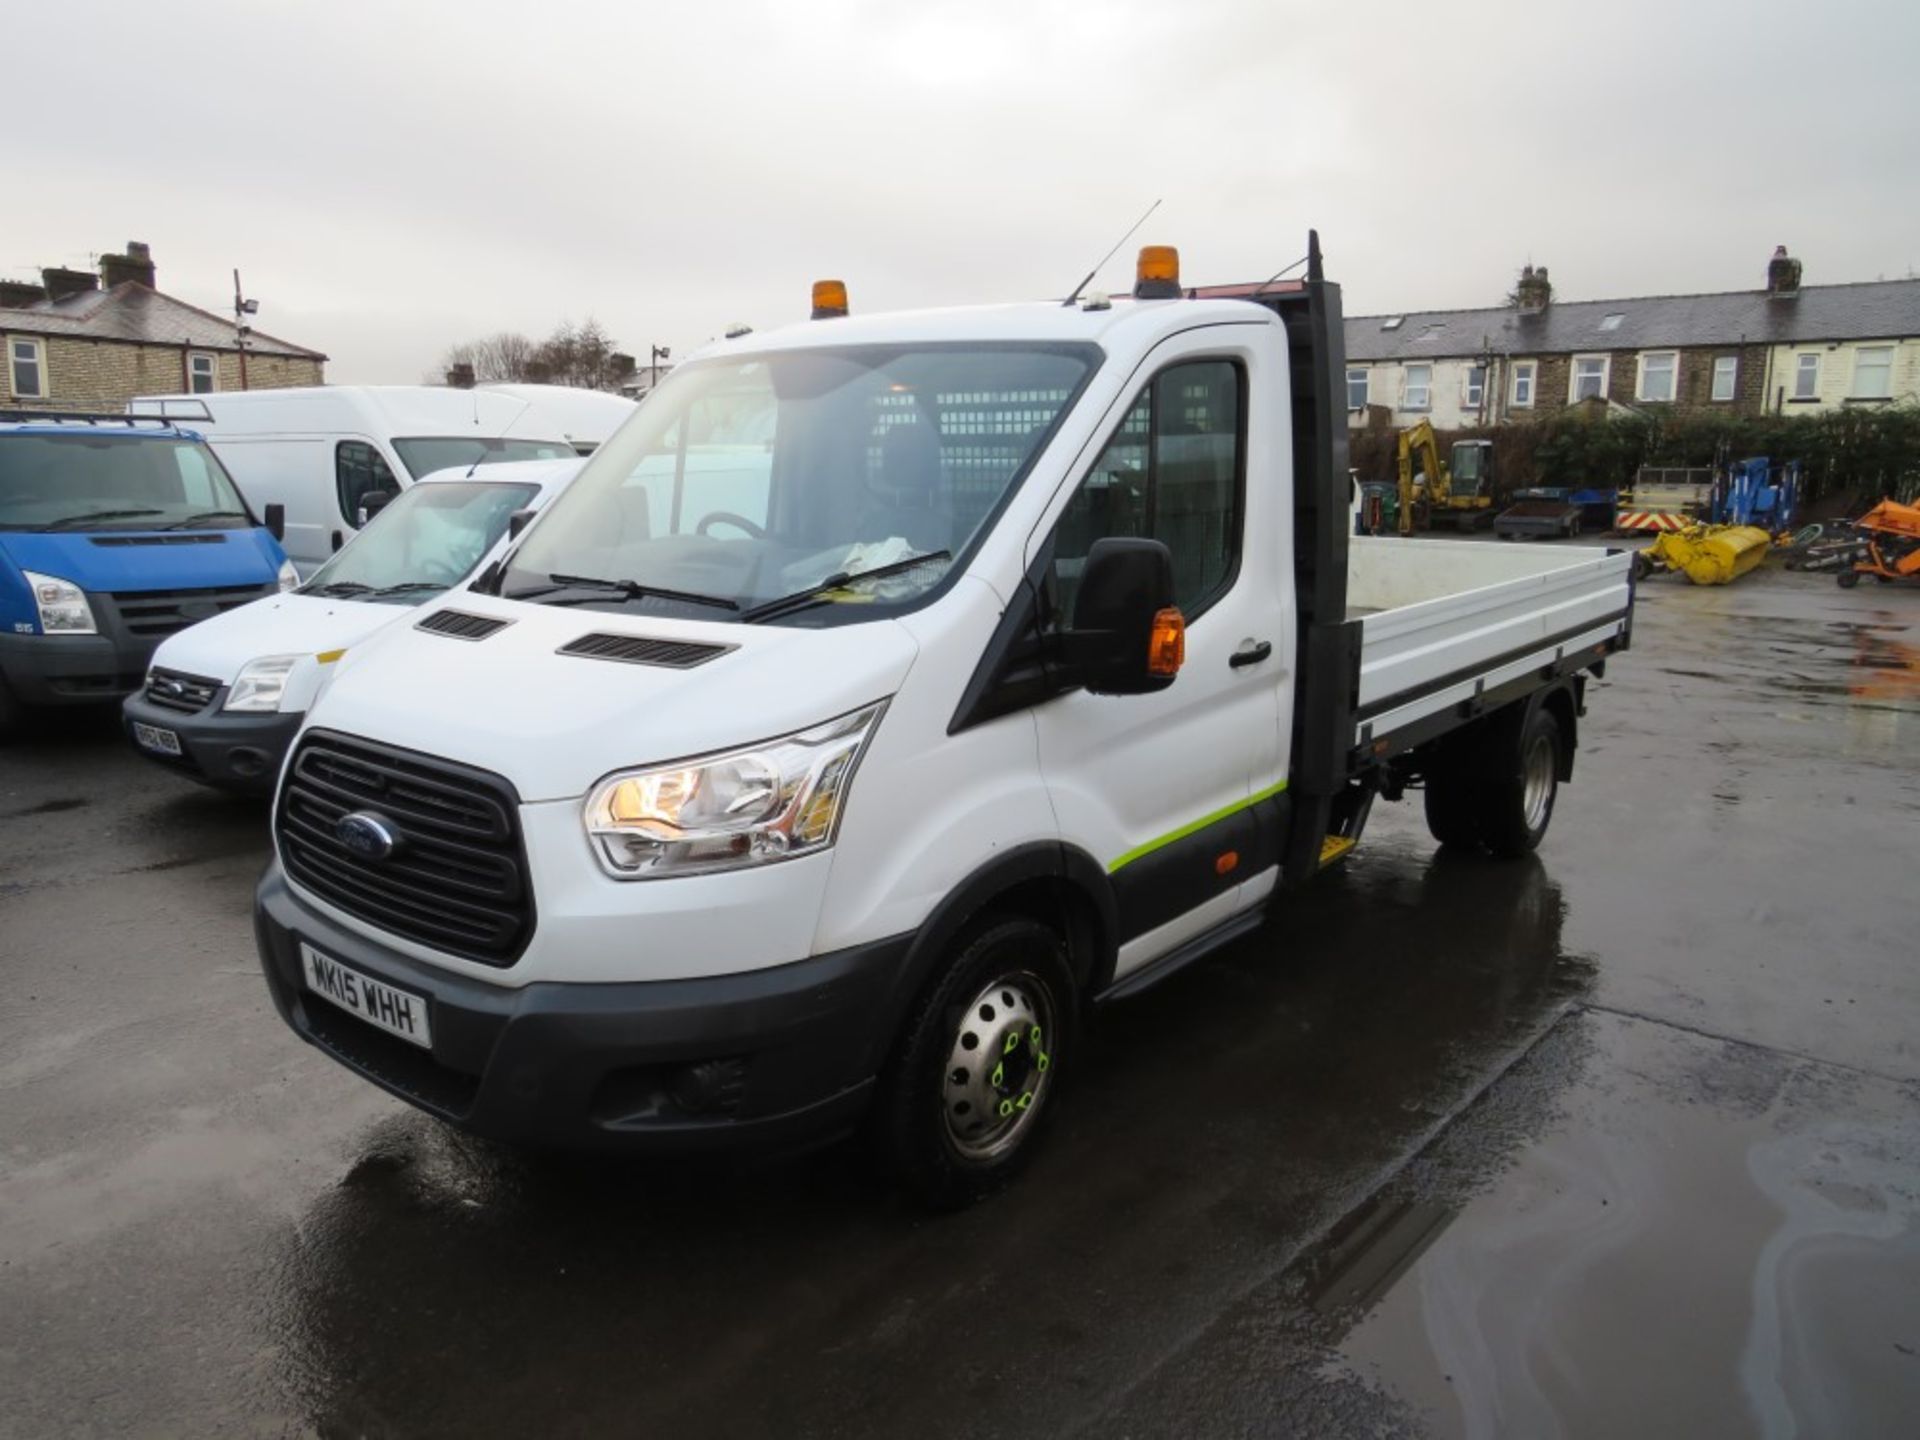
pixel 727 517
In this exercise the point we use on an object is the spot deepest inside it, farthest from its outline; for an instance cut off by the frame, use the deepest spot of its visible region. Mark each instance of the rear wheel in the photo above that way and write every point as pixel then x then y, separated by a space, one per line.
pixel 974 1074
pixel 1521 780
pixel 1452 818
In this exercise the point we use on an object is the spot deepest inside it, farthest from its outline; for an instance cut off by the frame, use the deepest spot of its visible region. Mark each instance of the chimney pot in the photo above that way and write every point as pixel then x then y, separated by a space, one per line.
pixel 1535 291
pixel 460 376
pixel 61 282
pixel 18 294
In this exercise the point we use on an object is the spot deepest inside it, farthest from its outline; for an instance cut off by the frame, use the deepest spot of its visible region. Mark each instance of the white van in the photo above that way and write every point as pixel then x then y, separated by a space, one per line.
pixel 333 454
pixel 1028 663
pixel 224 697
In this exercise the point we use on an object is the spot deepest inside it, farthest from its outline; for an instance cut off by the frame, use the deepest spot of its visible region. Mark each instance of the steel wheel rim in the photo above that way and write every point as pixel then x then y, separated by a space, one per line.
pixel 1537 797
pixel 993 1087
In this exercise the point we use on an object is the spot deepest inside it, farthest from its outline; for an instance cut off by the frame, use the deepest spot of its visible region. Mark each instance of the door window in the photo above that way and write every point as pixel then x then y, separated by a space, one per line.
pixel 1172 472
pixel 358 471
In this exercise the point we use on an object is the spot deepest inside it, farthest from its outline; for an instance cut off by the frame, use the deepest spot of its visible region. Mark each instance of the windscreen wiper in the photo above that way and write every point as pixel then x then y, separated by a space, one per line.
pixel 65 520
pixel 402 587
pixel 817 594
pixel 339 587
pixel 207 515
pixel 626 589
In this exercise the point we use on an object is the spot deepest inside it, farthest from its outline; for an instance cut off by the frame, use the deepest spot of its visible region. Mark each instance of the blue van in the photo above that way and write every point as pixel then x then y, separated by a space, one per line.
pixel 115 532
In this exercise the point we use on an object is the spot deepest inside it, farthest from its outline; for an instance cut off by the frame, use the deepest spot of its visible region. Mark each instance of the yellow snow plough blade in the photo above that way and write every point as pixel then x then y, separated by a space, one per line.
pixel 1709 554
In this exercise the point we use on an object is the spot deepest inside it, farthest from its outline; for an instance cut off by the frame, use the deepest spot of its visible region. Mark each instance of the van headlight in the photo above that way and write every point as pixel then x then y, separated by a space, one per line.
pixel 753 806
pixel 260 683
pixel 289 578
pixel 62 605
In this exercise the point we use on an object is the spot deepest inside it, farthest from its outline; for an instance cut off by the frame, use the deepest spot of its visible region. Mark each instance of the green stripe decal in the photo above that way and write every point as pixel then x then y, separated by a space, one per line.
pixel 1195 826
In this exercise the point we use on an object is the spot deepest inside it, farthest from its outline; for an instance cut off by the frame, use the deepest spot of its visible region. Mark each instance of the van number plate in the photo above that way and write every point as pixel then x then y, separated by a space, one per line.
pixel 398 1012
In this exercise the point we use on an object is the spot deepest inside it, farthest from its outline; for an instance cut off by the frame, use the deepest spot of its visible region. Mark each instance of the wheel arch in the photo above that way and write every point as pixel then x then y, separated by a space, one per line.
pixel 1560 701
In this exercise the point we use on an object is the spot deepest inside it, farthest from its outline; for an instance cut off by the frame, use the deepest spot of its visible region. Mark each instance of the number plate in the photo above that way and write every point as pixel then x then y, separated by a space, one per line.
pixel 152 737
pixel 398 1012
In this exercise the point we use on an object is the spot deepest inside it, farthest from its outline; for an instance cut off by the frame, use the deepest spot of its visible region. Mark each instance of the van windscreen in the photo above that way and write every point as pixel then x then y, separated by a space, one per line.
pixel 73 481
pixel 423 455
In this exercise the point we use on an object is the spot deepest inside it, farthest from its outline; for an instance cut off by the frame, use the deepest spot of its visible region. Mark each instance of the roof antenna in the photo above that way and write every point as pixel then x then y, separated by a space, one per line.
pixel 1109 255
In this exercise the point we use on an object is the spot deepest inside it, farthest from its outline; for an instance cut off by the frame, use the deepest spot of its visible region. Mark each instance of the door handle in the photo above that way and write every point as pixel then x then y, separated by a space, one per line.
pixel 1251 654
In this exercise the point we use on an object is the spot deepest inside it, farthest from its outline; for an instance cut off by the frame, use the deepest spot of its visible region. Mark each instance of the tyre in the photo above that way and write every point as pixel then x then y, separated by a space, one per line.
pixel 1451 815
pixel 1642 565
pixel 974 1073
pixel 10 710
pixel 1519 780
pixel 1848 579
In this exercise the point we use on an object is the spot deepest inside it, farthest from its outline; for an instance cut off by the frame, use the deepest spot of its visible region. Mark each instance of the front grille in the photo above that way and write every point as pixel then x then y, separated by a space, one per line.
pixel 457 879
pixel 459 625
pixel 163 612
pixel 644 650
pixel 176 690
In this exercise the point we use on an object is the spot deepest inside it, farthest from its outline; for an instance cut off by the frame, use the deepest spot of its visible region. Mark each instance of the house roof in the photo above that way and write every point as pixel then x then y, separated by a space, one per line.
pixel 133 313
pixel 1873 310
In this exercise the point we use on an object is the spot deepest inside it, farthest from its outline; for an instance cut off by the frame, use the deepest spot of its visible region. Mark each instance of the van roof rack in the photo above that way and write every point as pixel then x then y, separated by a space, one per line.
pixel 87 417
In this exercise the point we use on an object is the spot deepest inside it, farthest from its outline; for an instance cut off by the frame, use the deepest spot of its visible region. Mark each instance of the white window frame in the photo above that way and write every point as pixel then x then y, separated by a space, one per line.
pixel 1407 388
pixel 1729 366
pixel 1886 391
pixel 1529 372
pixel 39 349
pixel 194 357
pixel 1573 376
pixel 1475 396
pixel 1640 379
pixel 1366 386
pixel 1802 373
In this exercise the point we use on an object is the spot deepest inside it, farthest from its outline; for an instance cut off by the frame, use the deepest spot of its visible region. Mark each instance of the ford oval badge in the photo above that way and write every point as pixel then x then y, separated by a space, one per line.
pixel 369 836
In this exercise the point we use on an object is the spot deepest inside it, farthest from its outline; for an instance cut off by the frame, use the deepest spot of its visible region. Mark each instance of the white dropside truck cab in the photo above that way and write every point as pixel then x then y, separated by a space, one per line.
pixel 771 789
pixel 223 698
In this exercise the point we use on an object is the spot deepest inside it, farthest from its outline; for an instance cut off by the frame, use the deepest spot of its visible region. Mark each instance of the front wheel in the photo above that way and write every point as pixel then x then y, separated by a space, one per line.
pixel 1848 579
pixel 975 1071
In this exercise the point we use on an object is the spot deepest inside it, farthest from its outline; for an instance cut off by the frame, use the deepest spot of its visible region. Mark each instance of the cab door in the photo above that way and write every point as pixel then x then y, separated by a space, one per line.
pixel 1172 792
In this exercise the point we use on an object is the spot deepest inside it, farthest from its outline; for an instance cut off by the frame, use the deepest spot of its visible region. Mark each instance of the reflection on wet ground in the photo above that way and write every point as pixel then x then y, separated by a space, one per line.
pixel 1618 1141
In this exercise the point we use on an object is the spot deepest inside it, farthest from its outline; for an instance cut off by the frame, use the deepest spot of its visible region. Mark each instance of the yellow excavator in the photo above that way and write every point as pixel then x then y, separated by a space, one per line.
pixel 1432 494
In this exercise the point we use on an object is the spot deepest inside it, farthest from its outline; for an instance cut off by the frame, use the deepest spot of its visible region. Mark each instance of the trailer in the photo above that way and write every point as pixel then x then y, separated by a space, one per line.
pixel 1544 511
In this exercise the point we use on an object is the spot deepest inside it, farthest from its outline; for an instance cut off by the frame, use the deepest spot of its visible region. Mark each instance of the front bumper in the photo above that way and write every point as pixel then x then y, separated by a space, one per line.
pixel 44 670
pixel 228 750
pixel 767 1059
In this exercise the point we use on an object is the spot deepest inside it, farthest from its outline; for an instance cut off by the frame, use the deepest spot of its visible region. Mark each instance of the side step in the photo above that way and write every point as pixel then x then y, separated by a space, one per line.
pixel 1335 848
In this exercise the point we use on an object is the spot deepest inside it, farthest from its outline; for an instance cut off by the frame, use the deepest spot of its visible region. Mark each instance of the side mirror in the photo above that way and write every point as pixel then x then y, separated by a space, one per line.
pixel 277 521
pixel 372 503
pixel 518 521
pixel 1128 637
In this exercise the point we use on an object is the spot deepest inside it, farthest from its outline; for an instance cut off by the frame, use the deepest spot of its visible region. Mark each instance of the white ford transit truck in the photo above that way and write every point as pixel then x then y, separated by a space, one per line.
pixel 885 694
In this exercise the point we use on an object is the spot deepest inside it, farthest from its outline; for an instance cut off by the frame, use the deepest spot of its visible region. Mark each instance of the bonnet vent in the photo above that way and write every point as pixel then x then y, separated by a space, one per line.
pixel 459 625
pixel 643 650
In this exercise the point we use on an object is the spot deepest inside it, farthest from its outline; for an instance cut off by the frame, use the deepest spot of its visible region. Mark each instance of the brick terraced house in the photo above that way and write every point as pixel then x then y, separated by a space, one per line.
pixel 1783 348
pixel 80 341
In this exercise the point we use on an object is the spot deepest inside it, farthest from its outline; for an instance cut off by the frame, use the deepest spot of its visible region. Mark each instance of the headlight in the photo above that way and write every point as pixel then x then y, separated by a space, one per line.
pixel 63 605
pixel 720 812
pixel 289 577
pixel 261 683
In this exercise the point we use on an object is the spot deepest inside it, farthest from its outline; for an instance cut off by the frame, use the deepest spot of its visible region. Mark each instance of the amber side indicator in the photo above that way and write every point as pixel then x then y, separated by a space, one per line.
pixel 1226 864
pixel 1167 643
pixel 829 299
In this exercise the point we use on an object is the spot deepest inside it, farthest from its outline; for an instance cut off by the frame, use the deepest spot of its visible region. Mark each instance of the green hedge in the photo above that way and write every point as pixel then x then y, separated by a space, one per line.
pixel 1863 452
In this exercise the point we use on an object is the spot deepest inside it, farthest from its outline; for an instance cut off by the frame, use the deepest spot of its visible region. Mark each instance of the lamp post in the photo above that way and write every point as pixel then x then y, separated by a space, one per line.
pixel 242 308
pixel 655 354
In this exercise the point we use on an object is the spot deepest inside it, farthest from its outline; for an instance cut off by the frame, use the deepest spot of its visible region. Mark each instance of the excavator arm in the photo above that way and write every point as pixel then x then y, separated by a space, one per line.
pixel 1435 487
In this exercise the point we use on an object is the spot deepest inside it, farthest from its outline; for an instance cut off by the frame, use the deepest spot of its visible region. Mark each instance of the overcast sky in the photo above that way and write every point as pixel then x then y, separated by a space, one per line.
pixel 392 178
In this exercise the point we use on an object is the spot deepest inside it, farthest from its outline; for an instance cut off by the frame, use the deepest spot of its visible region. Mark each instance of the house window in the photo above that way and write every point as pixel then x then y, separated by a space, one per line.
pixel 200 373
pixel 1476 386
pixel 1590 376
pixel 1357 389
pixel 1658 369
pixel 1523 375
pixel 27 368
pixel 1806 378
pixel 1419 394
pixel 1726 370
pixel 1873 372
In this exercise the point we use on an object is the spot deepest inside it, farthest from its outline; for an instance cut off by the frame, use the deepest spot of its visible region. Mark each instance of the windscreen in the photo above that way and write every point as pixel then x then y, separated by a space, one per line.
pixel 423 455
pixel 114 482
pixel 741 482
pixel 427 539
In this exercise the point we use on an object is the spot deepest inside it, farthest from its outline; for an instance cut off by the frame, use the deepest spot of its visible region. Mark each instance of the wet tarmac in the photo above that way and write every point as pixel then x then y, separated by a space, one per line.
pixel 1622 1140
